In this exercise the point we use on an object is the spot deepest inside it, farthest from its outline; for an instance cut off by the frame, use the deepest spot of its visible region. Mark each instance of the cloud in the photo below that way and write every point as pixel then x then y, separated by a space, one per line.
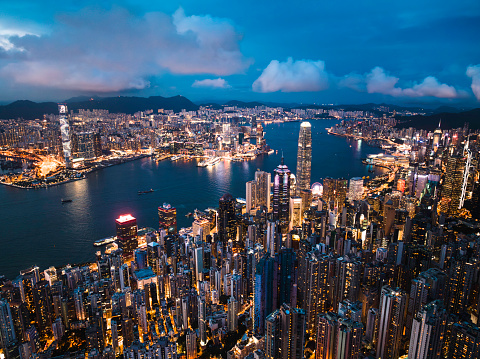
pixel 378 81
pixel 108 51
pixel 292 76
pixel 474 73
pixel 213 83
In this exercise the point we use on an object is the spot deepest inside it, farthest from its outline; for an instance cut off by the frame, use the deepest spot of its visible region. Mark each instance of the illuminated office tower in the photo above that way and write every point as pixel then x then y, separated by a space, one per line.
pixel 328 189
pixel 7 330
pixel 281 196
pixel 437 136
pixel 65 134
pixel 263 182
pixel 227 221
pixel 258 191
pixel 304 157
pixel 83 145
pixel 464 341
pixel 355 189
pixel 263 293
pixel 167 218
pixel 251 195
pixel 296 213
pixel 341 189
pixel 392 311
pixel 428 332
pixel 127 234
pixel 452 186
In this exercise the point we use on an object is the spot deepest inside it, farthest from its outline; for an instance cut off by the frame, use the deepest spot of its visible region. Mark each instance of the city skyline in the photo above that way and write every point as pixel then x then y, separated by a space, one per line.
pixel 370 52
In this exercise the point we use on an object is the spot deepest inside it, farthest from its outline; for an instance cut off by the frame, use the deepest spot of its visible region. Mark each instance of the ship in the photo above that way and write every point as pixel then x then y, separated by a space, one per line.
pixel 104 241
pixel 189 214
pixel 209 162
pixel 270 152
pixel 175 158
pixel 67 200
pixel 148 191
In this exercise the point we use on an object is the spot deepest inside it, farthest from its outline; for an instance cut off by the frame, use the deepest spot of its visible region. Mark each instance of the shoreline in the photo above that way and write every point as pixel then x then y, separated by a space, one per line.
pixel 85 175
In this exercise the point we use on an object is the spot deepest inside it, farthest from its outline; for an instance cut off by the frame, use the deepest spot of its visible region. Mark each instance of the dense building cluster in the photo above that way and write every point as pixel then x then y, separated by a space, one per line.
pixel 339 269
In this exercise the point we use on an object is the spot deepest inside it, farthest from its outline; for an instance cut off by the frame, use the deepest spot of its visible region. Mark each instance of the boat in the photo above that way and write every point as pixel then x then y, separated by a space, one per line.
pixel 175 158
pixel 67 200
pixel 104 241
pixel 144 192
pixel 189 214
pixel 270 152
pixel 209 162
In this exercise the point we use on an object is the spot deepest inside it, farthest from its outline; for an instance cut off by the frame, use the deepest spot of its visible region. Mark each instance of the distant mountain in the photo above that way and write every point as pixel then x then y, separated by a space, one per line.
pixel 242 104
pixel 29 110
pixel 449 120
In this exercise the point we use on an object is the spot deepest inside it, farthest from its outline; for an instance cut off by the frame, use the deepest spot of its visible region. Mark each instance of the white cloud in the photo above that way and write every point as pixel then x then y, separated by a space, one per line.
pixel 213 83
pixel 474 73
pixel 378 81
pixel 107 51
pixel 292 76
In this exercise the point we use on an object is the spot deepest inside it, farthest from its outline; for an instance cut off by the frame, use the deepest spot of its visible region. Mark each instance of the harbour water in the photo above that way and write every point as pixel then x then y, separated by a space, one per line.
pixel 36 228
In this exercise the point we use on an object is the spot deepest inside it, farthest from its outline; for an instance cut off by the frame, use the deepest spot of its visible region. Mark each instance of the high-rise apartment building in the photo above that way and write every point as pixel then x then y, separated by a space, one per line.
pixel 304 157
pixel 428 332
pixel 392 311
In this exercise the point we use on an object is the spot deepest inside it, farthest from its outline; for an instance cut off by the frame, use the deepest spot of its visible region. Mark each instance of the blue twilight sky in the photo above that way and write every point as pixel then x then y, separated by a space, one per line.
pixel 422 52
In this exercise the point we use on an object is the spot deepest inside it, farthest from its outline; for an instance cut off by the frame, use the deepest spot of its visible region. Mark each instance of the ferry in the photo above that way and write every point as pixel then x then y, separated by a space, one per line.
pixel 102 242
pixel 175 158
pixel 270 152
pixel 209 162
pixel 144 192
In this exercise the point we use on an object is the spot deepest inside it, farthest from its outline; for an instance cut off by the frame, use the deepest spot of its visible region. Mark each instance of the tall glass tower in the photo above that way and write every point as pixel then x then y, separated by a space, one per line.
pixel 281 196
pixel 304 157
pixel 65 133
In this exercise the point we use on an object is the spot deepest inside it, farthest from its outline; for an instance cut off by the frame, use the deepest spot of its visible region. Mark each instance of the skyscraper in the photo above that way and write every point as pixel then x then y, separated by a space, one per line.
pixel 355 189
pixel 263 181
pixel 452 186
pixel 428 332
pixel 65 134
pixel 227 222
pixel 464 342
pixel 7 330
pixel 281 196
pixel 127 237
pixel 392 311
pixel 304 157
pixel 167 218
pixel 292 322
